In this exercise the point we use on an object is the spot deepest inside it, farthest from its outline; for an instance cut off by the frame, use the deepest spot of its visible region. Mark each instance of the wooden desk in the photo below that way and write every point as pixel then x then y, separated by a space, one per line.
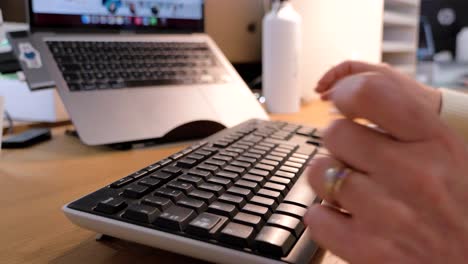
pixel 35 183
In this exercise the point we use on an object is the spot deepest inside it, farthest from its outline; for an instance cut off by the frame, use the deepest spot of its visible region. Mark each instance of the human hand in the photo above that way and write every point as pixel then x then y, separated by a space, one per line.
pixel 406 193
pixel 397 83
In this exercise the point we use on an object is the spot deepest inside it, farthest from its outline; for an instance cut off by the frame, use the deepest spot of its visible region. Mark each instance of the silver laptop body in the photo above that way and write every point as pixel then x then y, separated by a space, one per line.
pixel 128 114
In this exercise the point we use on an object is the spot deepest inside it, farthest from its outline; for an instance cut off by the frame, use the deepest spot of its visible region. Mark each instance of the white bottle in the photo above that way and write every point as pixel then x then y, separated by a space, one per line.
pixel 281 52
pixel 462 45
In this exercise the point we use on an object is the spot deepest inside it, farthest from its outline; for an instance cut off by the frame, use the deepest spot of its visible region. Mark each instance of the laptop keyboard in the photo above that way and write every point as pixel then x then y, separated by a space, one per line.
pixel 88 66
pixel 241 188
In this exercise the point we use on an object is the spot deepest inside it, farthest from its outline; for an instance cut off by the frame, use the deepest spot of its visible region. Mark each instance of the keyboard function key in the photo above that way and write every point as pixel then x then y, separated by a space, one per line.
pixel 122 182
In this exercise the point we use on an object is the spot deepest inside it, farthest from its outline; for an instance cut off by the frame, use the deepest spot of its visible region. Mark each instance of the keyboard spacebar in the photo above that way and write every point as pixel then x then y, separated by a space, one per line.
pixel 140 83
pixel 301 193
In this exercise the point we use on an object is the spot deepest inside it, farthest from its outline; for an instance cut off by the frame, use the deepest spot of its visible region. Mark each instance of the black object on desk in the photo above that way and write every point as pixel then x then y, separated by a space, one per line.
pixel 27 138
pixel 8 63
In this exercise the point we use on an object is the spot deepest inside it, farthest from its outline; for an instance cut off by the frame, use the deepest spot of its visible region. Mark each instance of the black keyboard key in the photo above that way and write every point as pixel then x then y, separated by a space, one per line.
pixel 208 197
pixel 277 196
pixel 254 221
pixel 161 176
pixel 265 167
pixel 291 210
pixel 223 158
pixel 238 201
pixel 226 183
pixel 228 175
pixel 150 182
pixel 254 178
pixel 273 163
pixel 174 195
pixel 237 235
pixel 218 163
pixel 241 164
pixel 240 191
pixel 274 158
pixel 196 181
pixel 175 218
pixel 206 225
pixel 223 209
pixel 111 205
pixel 141 213
pixel 221 144
pixel 196 157
pixel 293 164
pixel 159 202
pixel 197 205
pixel 187 163
pixel 258 210
pixel 276 187
pixel 135 191
pixel 287 175
pixel 214 188
pixel 122 182
pixel 262 201
pixel 278 154
pixel 274 241
pixel 297 160
pixel 199 173
pixel 248 185
pixel 281 180
pixel 252 155
pixel 235 169
pixel 300 156
pixel 183 186
pixel 139 174
pixel 258 172
pixel 207 167
pixel 292 224
pixel 247 159
pixel 174 171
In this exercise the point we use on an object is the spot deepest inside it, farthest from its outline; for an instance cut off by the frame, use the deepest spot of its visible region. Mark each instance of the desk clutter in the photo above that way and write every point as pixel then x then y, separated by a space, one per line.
pixel 240 195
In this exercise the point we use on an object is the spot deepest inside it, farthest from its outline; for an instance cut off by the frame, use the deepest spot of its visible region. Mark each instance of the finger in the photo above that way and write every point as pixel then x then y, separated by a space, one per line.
pixel 343 70
pixel 335 232
pixel 361 147
pixel 381 100
pixel 354 193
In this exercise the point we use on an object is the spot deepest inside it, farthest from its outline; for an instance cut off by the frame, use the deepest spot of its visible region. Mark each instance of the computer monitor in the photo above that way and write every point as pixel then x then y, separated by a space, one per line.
pixel 446 19
pixel 170 15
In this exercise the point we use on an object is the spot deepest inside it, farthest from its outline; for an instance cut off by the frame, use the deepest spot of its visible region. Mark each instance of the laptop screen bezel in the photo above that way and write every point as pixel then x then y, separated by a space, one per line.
pixel 34 27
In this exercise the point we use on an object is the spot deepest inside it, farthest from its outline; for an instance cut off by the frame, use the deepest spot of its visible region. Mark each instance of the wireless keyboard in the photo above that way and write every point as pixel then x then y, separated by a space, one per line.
pixel 236 197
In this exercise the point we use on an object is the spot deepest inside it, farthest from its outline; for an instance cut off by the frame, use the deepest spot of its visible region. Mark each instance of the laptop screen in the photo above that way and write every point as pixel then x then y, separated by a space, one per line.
pixel 154 15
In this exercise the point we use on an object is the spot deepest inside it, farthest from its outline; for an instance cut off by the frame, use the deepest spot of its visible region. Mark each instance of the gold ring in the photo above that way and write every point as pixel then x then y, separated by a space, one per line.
pixel 334 178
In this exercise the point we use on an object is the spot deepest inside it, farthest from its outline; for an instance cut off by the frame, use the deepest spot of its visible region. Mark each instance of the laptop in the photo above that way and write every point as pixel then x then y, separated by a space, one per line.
pixel 130 71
